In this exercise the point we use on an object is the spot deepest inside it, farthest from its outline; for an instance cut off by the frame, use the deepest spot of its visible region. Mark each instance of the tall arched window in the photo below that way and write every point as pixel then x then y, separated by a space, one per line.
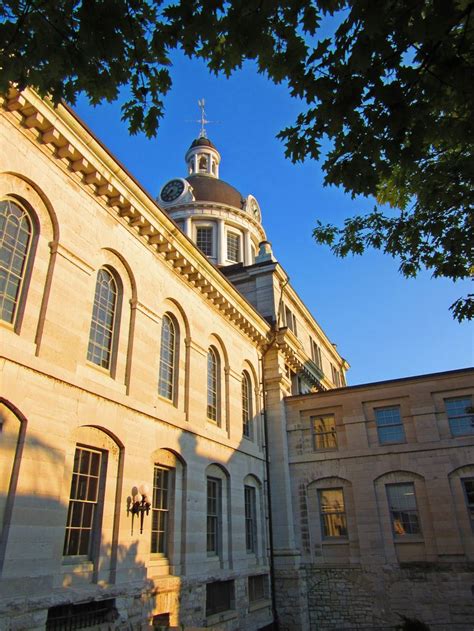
pixel 101 336
pixel 16 230
pixel 213 385
pixel 166 384
pixel 247 412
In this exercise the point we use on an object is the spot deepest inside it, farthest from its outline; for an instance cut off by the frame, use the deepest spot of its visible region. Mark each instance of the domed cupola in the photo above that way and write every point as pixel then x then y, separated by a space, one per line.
pixel 203 158
pixel 223 223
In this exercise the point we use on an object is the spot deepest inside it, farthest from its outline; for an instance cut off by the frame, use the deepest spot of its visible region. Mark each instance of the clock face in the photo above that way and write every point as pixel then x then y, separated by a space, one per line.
pixel 172 190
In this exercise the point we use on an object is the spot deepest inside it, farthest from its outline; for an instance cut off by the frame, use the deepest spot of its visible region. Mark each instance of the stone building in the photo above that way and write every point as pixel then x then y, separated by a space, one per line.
pixel 383 474
pixel 157 373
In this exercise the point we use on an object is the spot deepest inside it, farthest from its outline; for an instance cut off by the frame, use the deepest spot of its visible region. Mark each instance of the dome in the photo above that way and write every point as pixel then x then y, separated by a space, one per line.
pixel 202 142
pixel 211 189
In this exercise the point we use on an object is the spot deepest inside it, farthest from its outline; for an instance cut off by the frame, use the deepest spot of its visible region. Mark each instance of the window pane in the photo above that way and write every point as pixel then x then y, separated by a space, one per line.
pixel 213 514
pixel 461 419
pixel 219 597
pixel 233 247
pixel 332 511
pixel 324 432
pixel 15 240
pixel 167 358
pixel 403 509
pixel 204 240
pixel 83 499
pixel 468 485
pixel 160 510
pixel 246 405
pixel 389 425
pixel 102 323
pixel 250 519
pixel 212 385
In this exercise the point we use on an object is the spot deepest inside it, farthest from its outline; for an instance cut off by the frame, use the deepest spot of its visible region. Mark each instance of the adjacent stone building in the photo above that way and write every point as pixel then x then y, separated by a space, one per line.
pixel 383 474
pixel 175 429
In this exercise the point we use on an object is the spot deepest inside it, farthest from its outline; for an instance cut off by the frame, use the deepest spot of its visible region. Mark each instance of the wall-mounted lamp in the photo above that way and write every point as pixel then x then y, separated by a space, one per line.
pixel 141 504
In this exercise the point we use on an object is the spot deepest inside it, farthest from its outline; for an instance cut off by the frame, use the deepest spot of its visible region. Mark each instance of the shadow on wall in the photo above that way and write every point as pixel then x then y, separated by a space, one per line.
pixel 67 543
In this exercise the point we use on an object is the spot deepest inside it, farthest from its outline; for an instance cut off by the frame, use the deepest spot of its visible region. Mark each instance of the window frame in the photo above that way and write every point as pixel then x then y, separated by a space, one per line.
pixel 26 266
pixel 263 578
pixel 469 505
pixel 232 234
pixel 378 411
pixel 162 511
pixel 113 327
pixel 168 381
pixel 338 513
pixel 229 605
pixel 94 530
pixel 397 534
pixel 327 432
pixel 213 387
pixel 458 417
pixel 247 406
pixel 214 517
pixel 250 506
pixel 209 226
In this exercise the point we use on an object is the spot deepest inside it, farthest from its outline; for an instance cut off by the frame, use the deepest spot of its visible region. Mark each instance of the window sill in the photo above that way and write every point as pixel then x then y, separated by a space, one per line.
pixel 77 562
pixel 259 604
pixel 336 541
pixel 163 399
pixel 325 450
pixel 408 539
pixel 218 618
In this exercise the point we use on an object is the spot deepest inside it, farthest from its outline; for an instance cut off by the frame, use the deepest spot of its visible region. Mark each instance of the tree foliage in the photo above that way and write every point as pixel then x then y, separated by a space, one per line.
pixel 391 88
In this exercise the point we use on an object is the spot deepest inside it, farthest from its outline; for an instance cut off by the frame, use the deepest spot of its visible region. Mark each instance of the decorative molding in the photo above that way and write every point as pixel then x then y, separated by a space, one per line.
pixel 73 258
pixel 60 135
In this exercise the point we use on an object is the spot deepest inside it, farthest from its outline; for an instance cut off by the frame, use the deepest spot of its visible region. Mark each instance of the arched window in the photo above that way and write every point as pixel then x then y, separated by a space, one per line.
pixel 247 412
pixel 101 336
pixel 213 385
pixel 166 385
pixel 16 230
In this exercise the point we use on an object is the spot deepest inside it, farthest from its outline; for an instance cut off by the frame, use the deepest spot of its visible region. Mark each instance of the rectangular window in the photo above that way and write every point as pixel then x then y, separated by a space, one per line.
pixel 213 515
pixel 233 247
pixel 324 432
pixel 258 587
pixel 89 614
pixel 219 597
pixel 336 376
pixel 460 416
pixel 290 320
pixel 160 510
pixel 83 500
pixel 250 519
pixel 389 425
pixel 332 512
pixel 403 509
pixel 204 240
pixel 316 354
pixel 468 486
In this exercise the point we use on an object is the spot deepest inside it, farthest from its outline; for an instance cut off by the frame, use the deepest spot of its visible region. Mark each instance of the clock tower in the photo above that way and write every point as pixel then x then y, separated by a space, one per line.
pixel 223 223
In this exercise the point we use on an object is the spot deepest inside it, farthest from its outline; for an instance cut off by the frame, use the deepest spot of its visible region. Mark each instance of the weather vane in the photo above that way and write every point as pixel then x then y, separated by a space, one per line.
pixel 203 121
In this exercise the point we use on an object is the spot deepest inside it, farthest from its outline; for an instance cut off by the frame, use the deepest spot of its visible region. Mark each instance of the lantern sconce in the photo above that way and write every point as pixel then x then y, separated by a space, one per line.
pixel 140 505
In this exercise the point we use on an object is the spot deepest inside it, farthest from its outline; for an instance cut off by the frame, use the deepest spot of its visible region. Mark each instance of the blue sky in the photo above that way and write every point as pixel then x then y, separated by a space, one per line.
pixel 386 326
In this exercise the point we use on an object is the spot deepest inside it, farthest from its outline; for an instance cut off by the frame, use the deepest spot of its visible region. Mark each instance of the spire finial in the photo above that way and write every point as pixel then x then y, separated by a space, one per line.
pixel 203 121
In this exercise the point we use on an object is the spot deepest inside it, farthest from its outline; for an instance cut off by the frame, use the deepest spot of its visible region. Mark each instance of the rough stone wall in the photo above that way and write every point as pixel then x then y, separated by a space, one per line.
pixel 354 598
pixel 291 600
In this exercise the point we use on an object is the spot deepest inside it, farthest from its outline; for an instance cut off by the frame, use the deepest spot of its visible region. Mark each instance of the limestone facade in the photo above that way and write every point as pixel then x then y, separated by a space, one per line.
pixel 108 295
pixel 384 475
pixel 157 406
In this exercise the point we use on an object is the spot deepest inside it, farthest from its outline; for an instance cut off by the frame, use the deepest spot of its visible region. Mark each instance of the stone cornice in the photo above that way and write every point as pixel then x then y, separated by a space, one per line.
pixel 213 208
pixel 310 320
pixel 61 136
pixel 297 360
